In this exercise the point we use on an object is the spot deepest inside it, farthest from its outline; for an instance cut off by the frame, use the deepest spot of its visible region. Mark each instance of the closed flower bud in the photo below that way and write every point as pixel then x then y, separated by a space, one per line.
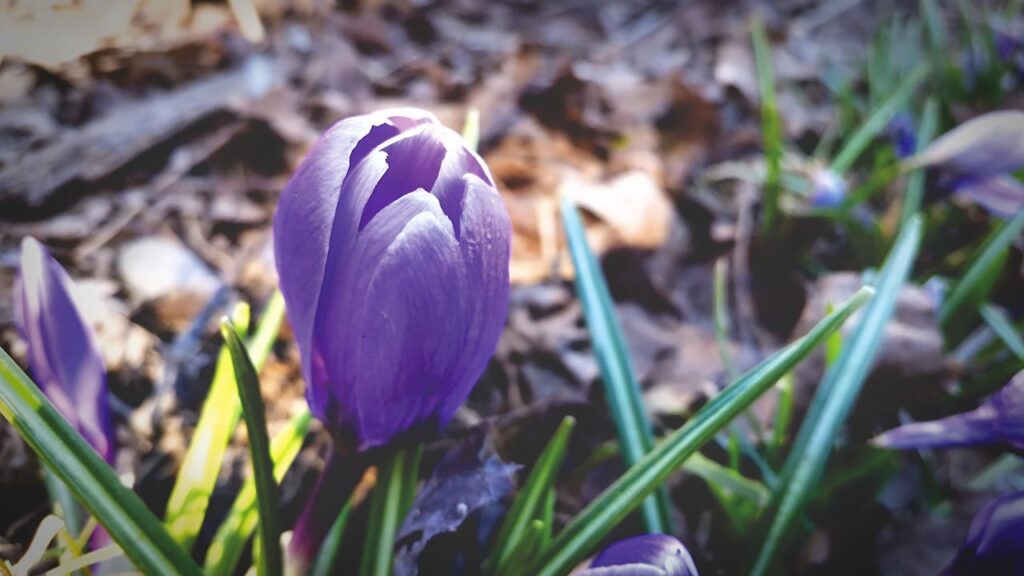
pixel 392 247
pixel 647 555
pixel 62 354
pixel 998 420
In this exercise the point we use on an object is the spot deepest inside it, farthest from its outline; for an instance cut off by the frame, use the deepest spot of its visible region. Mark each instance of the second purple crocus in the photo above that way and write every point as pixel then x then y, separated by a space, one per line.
pixel 998 420
pixel 994 545
pixel 646 555
pixel 62 354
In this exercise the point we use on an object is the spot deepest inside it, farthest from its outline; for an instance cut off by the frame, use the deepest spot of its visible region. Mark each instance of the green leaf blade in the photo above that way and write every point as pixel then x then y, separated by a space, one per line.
pixel 837 393
pixel 621 389
pixel 197 477
pixel 641 479
pixel 270 558
pixel 93 482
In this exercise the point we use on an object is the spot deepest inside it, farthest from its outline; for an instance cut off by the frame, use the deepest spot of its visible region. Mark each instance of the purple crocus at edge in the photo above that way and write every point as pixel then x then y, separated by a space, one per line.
pixel 994 544
pixel 998 420
pixel 62 354
pixel 392 245
pixel 646 555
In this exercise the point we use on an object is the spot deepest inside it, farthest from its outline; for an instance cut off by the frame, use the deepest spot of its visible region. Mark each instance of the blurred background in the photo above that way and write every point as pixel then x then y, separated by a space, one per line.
pixel 145 143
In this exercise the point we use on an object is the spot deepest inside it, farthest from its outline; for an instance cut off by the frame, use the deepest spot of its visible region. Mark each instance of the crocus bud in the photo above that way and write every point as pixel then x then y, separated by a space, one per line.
pixel 392 246
pixel 828 189
pixel 998 420
pixel 995 541
pixel 62 354
pixel 647 555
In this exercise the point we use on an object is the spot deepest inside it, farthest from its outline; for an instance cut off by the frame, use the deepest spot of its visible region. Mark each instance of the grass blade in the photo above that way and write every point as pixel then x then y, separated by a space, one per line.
pixel 528 503
pixel 915 182
pixel 97 487
pixel 877 122
pixel 218 419
pixel 836 394
pixel 328 554
pixel 771 126
pixel 727 479
pixel 625 494
pixel 973 287
pixel 1001 325
pixel 229 541
pixel 396 483
pixel 270 563
pixel 621 389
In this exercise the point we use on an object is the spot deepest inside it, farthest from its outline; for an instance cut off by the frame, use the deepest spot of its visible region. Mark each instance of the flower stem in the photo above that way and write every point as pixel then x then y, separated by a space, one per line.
pixel 396 485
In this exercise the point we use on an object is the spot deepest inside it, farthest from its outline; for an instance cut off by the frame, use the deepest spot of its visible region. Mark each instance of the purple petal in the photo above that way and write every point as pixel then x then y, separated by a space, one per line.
pixel 385 369
pixel 828 189
pixel 411 281
pixel 654 554
pixel 998 420
pixel 986 146
pixel 1000 195
pixel 995 541
pixel 303 223
pixel 62 353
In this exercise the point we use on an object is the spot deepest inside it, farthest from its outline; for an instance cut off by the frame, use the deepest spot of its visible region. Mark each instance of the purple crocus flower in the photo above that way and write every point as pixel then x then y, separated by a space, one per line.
pixel 62 353
pixel 902 135
pixel 647 555
pixel 994 545
pixel 392 245
pixel 828 189
pixel 977 157
pixel 998 420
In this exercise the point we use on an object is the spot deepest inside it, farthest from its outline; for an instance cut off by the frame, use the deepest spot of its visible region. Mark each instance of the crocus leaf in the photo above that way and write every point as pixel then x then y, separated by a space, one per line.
pixel 771 126
pixel 605 511
pixel 467 479
pixel 397 479
pixel 622 391
pixel 996 421
pixel 197 477
pixel 836 394
pixel 229 541
pixel 973 286
pixel 270 563
pixel 988 145
pixel 877 121
pixel 528 503
pixel 95 484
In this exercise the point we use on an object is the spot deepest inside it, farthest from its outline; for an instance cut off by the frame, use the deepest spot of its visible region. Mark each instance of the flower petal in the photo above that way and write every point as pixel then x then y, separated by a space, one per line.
pixel 998 420
pixel 995 541
pixel 661 553
pixel 305 214
pixel 62 353
pixel 988 145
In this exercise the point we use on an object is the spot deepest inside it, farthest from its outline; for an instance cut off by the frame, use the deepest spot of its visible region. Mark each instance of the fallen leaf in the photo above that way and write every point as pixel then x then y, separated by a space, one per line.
pixel 467 479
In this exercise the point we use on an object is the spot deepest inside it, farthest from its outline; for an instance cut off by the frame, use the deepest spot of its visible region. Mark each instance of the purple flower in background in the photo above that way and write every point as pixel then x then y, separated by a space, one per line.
pixel 977 157
pixel 999 420
pixel 392 245
pixel 828 189
pixel 994 545
pixel 902 135
pixel 62 353
pixel 647 555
